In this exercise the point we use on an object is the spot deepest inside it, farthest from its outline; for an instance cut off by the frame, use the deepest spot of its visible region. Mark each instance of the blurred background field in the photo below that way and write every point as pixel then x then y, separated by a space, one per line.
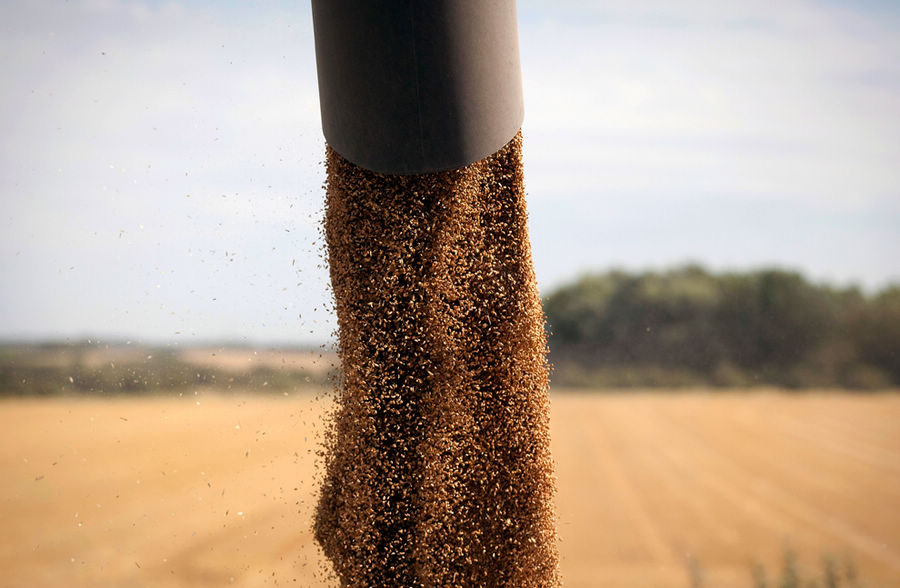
pixel 104 369
pixel 679 328
pixel 211 481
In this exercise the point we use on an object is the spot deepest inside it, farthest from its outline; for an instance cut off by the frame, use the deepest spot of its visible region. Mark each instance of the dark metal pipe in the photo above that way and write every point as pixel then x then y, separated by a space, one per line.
pixel 417 86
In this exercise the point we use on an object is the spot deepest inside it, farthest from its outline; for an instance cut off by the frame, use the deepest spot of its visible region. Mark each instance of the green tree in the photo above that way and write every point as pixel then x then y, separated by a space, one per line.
pixel 770 326
pixel 877 332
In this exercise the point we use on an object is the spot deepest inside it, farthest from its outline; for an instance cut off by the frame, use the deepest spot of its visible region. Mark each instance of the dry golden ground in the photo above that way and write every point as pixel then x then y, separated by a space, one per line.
pixel 163 491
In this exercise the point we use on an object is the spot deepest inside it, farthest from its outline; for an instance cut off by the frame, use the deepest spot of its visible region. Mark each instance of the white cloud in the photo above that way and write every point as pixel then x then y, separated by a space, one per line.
pixel 729 97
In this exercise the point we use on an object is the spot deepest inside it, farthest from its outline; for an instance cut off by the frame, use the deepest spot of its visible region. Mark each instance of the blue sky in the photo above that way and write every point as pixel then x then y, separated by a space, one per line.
pixel 161 162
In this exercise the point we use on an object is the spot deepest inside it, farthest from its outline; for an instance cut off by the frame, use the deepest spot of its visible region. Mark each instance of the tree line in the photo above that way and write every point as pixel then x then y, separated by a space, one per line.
pixel 689 326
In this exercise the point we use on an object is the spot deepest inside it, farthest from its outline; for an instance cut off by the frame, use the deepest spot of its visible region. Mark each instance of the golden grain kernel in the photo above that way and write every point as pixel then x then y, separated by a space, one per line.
pixel 438 469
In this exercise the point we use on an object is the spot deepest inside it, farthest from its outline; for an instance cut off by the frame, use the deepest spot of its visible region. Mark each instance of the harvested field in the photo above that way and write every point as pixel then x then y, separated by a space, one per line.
pixel 651 485
pixel 228 359
pixel 242 360
pixel 163 491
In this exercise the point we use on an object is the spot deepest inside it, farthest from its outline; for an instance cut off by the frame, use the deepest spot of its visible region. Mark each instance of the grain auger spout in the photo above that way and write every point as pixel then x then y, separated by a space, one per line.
pixel 411 87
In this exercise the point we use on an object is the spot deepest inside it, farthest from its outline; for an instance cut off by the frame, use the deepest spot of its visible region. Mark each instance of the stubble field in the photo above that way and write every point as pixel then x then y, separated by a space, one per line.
pixel 655 489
